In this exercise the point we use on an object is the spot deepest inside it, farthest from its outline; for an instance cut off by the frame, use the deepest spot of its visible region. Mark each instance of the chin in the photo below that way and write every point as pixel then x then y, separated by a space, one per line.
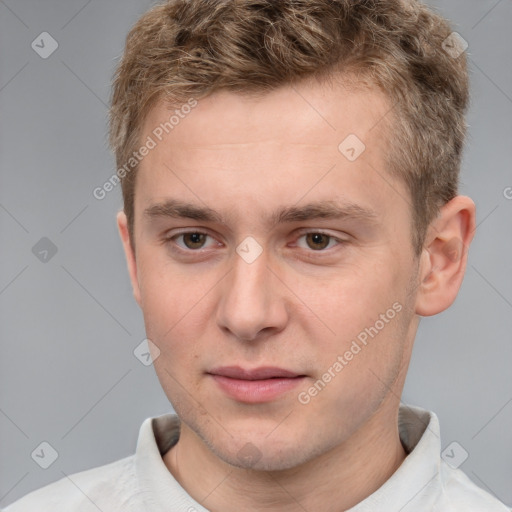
pixel 263 454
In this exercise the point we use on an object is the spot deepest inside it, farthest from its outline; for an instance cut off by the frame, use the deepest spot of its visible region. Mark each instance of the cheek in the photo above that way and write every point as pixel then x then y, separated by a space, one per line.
pixel 171 309
pixel 362 319
pixel 170 304
pixel 169 293
pixel 350 298
pixel 359 366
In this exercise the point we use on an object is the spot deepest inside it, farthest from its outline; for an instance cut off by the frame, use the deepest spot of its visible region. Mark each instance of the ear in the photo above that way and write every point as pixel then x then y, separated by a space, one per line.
pixel 122 224
pixel 444 257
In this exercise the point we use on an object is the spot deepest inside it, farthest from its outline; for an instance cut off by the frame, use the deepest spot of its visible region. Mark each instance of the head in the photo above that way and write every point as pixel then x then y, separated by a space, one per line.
pixel 289 176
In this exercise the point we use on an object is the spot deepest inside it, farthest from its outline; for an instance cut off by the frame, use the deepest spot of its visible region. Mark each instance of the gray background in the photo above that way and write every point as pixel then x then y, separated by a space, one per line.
pixel 69 325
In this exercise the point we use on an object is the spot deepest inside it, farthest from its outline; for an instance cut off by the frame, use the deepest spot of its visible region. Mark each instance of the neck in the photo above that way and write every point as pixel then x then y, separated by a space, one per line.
pixel 334 481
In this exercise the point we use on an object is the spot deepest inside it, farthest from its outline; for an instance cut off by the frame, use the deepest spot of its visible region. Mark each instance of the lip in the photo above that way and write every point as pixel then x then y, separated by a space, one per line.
pixel 256 385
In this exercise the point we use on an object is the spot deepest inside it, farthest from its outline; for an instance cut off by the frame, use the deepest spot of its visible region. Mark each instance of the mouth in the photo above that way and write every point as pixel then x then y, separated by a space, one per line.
pixel 256 385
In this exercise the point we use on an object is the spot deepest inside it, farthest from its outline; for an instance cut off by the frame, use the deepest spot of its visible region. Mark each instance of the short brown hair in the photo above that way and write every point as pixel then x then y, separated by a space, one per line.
pixel 184 49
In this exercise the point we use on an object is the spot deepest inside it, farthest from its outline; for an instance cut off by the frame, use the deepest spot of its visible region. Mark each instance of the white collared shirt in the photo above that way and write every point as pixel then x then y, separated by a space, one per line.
pixel 142 482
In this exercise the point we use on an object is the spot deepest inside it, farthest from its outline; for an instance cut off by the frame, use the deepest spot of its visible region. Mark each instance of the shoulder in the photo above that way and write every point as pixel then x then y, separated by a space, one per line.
pixel 442 488
pixel 462 494
pixel 104 487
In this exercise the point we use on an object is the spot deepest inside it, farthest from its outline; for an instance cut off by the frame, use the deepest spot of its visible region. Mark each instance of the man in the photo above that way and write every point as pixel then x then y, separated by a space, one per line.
pixel 289 174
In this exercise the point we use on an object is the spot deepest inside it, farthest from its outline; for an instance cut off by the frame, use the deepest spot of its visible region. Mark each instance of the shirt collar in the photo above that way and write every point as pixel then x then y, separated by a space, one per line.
pixel 158 489
pixel 414 485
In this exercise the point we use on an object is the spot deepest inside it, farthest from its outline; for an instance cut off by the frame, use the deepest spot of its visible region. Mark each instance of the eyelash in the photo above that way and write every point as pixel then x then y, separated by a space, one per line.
pixel 172 239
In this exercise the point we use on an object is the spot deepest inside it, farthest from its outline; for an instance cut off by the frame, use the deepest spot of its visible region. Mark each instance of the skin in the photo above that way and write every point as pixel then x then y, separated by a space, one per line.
pixel 298 306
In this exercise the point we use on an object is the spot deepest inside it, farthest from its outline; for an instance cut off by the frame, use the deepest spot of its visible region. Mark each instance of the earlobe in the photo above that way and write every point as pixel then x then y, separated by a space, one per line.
pixel 444 257
pixel 122 224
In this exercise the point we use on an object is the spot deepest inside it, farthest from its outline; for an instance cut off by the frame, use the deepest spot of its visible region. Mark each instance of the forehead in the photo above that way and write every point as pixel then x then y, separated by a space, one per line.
pixel 312 112
pixel 228 150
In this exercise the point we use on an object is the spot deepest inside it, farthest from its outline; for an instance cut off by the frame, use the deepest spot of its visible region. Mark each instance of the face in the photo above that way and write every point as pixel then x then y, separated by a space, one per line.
pixel 275 270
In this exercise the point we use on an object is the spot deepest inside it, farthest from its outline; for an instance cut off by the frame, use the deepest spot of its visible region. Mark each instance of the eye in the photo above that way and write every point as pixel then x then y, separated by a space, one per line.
pixel 191 240
pixel 318 241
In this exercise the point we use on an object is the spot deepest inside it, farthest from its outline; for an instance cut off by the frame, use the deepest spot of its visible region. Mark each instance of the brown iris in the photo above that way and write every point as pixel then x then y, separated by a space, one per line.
pixel 317 241
pixel 194 240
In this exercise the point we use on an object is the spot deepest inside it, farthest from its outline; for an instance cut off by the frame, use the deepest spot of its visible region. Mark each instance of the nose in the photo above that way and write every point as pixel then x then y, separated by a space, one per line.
pixel 253 303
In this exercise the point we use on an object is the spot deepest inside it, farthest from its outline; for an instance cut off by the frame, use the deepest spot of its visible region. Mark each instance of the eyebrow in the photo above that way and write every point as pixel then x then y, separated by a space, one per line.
pixel 175 208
